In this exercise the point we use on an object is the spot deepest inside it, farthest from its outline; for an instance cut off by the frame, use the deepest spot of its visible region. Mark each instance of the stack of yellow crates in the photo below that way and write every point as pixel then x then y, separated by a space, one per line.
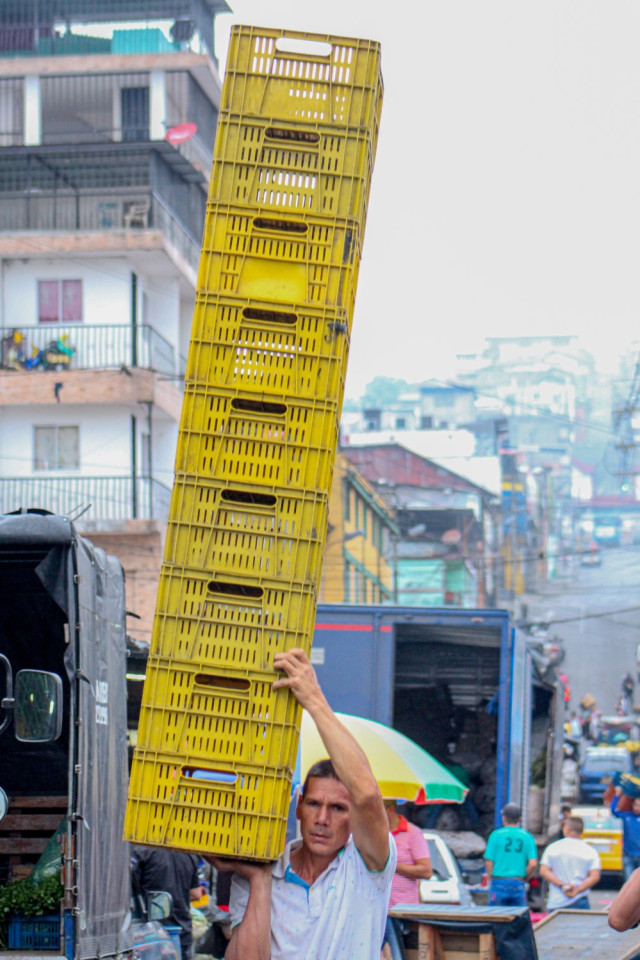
pixel 292 166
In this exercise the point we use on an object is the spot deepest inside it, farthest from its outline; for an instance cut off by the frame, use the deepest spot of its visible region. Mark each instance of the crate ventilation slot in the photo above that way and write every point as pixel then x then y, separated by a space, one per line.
pixel 292 136
pixel 303 48
pixel 280 226
pixel 258 406
pixel 269 316
pixel 224 589
pixel 215 776
pixel 223 683
pixel 249 497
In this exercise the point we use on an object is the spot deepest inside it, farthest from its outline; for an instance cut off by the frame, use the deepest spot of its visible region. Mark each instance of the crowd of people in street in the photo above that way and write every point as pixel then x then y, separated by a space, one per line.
pixel 569 865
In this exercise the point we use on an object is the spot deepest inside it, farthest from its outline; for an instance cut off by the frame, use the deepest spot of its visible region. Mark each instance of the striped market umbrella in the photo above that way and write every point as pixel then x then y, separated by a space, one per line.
pixel 404 770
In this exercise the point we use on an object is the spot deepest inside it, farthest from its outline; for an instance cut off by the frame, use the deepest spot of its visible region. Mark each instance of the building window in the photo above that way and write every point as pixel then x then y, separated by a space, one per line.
pixel 401 423
pixel 59 301
pixel 56 448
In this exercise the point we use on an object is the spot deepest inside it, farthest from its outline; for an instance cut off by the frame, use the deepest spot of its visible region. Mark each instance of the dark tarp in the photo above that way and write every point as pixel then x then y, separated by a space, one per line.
pixel 88 587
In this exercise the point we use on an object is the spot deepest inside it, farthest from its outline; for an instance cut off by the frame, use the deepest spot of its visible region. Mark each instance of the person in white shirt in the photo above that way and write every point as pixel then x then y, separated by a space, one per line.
pixel 571 867
pixel 326 897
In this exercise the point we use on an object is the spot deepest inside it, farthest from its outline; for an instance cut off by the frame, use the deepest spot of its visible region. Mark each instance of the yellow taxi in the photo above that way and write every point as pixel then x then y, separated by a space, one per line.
pixel 603 832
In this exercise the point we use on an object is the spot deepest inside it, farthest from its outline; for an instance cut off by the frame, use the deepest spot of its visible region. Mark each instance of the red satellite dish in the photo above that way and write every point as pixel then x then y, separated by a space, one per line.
pixel 184 131
pixel 451 537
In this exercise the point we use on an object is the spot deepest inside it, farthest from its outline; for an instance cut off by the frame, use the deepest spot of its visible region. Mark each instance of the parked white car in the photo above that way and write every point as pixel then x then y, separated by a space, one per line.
pixel 446 884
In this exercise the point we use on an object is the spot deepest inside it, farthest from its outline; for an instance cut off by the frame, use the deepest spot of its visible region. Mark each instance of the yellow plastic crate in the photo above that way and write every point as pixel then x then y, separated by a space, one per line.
pixel 280 167
pixel 244 817
pixel 261 533
pixel 236 437
pixel 206 717
pixel 303 78
pixel 257 345
pixel 229 636
pixel 297 259
pixel 230 624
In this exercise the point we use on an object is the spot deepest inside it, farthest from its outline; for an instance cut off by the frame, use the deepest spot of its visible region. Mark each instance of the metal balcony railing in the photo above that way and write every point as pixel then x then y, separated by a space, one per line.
pixel 74 346
pixel 98 211
pixel 92 498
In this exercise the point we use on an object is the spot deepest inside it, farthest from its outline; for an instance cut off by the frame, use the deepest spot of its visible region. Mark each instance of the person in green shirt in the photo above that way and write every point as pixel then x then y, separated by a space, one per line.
pixel 511 858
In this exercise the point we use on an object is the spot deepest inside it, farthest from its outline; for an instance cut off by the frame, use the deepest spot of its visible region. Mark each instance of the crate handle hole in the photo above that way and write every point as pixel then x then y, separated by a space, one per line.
pixel 281 226
pixel 269 316
pixel 223 588
pixel 294 136
pixel 258 406
pixel 217 776
pixel 223 683
pixel 305 48
pixel 250 497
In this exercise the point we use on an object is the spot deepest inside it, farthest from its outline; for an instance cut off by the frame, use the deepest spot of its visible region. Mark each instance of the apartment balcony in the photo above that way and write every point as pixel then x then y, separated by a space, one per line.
pixel 130 195
pixel 100 500
pixel 76 346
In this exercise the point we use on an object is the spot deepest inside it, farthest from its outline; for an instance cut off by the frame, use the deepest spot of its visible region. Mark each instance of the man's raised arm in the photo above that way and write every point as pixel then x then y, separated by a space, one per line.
pixel 251 939
pixel 624 912
pixel 369 824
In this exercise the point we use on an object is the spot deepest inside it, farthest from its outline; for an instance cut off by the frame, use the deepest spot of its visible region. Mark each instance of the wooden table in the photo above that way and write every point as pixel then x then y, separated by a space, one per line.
pixel 430 940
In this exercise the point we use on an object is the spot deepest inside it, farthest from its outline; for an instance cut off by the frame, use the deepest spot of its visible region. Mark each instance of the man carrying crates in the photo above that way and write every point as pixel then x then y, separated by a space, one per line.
pixel 326 897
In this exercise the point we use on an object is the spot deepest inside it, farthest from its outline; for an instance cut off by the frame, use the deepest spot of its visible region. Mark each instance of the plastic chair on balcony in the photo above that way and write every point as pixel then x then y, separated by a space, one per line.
pixel 137 214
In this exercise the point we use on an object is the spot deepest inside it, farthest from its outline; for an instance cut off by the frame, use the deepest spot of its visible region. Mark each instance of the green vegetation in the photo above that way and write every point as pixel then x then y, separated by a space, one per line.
pixel 28 899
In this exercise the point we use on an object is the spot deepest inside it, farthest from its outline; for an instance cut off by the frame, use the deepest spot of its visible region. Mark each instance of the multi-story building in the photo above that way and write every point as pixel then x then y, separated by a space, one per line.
pixel 433 405
pixel 358 565
pixel 444 550
pixel 106 137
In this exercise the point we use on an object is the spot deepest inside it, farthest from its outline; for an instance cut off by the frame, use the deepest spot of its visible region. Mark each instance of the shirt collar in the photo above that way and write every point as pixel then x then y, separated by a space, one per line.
pixel 283 863
pixel 402 827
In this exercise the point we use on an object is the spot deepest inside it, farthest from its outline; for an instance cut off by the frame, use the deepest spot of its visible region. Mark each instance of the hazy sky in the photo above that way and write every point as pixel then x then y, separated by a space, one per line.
pixel 505 198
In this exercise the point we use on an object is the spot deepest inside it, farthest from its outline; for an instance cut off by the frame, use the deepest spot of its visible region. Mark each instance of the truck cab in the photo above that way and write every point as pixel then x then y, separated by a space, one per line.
pixel 63 742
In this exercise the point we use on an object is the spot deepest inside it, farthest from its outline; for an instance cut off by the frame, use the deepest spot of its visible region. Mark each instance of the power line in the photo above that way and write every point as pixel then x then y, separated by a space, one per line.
pixel 591 616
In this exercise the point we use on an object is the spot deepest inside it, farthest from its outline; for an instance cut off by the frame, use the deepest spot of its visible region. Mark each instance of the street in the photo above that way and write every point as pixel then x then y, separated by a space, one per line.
pixel 601 607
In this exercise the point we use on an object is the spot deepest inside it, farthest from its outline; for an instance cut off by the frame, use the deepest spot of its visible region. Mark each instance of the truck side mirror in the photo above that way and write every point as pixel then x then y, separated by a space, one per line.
pixel 159 905
pixel 38 706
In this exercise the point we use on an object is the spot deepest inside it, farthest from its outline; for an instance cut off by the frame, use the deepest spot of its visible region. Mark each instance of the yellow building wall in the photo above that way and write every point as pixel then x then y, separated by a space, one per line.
pixel 358 558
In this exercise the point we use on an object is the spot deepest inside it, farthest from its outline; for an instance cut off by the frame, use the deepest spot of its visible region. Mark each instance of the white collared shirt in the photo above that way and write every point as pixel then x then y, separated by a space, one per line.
pixel 341 916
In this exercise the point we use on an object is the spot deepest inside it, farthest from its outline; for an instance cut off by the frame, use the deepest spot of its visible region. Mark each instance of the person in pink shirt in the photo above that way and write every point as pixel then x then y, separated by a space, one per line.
pixel 414 863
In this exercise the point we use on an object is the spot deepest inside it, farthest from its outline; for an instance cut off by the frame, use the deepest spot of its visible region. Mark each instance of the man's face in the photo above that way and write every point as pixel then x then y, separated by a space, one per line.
pixel 323 812
pixel 636 806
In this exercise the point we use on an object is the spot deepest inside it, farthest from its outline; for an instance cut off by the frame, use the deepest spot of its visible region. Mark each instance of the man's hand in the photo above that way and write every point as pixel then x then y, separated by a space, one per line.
pixel 245 868
pixel 300 677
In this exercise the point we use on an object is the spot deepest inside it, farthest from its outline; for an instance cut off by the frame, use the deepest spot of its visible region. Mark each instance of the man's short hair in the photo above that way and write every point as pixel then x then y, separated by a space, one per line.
pixel 565 808
pixel 511 812
pixel 322 769
pixel 575 824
